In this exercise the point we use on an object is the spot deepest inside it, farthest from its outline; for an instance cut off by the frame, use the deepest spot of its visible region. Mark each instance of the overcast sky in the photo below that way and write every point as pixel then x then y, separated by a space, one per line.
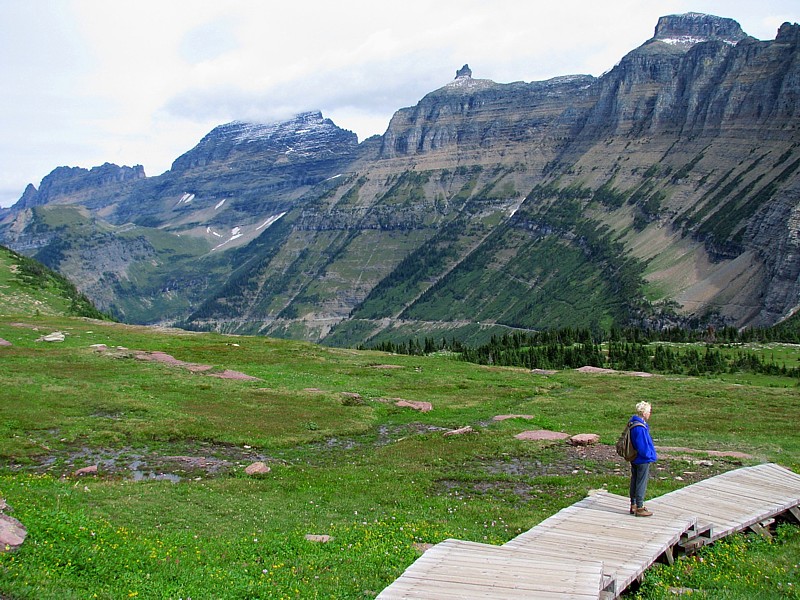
pixel 141 81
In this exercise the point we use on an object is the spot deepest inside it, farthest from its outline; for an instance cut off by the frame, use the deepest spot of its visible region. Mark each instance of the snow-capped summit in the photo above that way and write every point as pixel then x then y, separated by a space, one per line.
pixel 691 28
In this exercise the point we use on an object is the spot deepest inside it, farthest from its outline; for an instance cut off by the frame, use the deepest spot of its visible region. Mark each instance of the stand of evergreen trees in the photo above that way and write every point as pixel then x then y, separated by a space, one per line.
pixel 627 349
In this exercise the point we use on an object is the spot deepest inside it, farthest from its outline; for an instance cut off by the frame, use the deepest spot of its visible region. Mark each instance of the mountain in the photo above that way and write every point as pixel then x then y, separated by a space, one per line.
pixel 664 192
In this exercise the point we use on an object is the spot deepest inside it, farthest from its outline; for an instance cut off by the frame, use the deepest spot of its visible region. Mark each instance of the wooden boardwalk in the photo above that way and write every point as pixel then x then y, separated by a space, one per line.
pixel 594 548
pixel 736 500
pixel 457 570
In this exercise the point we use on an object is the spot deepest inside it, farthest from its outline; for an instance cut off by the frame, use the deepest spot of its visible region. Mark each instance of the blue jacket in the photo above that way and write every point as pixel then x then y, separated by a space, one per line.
pixel 640 437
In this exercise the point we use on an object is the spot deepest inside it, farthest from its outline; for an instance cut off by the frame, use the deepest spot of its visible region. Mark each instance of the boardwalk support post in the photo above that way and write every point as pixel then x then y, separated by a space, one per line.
pixel 761 530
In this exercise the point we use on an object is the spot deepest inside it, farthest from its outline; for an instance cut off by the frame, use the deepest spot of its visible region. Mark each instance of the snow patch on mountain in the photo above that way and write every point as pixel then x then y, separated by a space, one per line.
pixel 239 231
pixel 270 221
pixel 690 40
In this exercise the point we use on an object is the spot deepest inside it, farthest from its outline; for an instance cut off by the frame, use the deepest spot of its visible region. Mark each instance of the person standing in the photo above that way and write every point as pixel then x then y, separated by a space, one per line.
pixel 645 456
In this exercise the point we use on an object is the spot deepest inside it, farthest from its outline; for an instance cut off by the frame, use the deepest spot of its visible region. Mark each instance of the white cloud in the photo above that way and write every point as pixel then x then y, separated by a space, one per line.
pixel 141 81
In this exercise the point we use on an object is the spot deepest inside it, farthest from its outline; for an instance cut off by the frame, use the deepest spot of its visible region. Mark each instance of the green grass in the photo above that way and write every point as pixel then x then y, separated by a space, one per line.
pixel 28 287
pixel 739 567
pixel 375 477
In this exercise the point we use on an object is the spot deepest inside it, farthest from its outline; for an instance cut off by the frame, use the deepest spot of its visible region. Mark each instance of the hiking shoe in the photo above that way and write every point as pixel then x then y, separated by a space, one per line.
pixel 642 512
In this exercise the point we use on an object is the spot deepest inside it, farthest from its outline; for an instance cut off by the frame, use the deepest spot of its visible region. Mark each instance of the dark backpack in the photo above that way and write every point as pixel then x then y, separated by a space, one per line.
pixel 624 444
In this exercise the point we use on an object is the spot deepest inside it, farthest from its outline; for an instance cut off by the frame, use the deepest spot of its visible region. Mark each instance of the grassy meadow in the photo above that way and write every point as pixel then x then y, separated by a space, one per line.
pixel 172 514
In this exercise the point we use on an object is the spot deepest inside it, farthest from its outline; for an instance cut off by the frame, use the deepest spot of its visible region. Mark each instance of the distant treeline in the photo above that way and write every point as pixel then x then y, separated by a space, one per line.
pixel 626 349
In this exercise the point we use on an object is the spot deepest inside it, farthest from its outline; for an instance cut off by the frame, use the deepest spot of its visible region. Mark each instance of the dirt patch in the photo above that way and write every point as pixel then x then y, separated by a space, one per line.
pixel 563 459
pixel 676 450
pixel 198 460
pixel 541 434
pixel 415 405
pixel 228 374
pixel 167 359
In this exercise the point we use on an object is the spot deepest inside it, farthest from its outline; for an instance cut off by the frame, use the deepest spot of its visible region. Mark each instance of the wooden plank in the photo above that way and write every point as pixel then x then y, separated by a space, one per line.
pixel 707 508
pixel 769 475
pixel 716 509
pixel 633 525
pixel 565 539
pixel 715 495
pixel 608 550
pixel 427 592
pixel 567 584
pixel 747 488
pixel 459 569
pixel 637 529
pixel 774 469
pixel 755 484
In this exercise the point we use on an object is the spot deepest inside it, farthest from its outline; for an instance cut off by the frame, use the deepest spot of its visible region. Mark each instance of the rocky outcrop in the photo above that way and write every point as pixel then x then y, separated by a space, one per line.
pixel 700 89
pixel 464 71
pixel 90 187
pixel 479 115
pixel 29 198
pixel 688 29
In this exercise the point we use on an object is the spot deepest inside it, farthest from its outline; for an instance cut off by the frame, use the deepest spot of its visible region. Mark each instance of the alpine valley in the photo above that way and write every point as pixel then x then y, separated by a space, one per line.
pixel 665 192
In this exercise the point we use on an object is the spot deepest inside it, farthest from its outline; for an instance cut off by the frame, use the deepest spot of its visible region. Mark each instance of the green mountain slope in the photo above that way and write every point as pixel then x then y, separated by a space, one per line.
pixel 27 287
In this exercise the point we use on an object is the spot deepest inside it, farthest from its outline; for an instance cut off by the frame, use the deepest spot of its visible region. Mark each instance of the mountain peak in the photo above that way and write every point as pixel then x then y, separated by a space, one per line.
pixel 691 28
pixel 302 135
pixel 465 82
pixel 788 34
pixel 464 71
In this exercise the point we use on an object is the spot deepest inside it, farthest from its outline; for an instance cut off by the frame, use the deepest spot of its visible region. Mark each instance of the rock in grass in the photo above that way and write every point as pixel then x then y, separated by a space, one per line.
pixel 56 336
pixel 4 342
pixel 460 431
pixel 584 439
pixel 257 468
pixel 541 434
pixel 92 470
pixel 415 404
pixel 352 399
pixel 12 533
pixel 322 539
pixel 504 417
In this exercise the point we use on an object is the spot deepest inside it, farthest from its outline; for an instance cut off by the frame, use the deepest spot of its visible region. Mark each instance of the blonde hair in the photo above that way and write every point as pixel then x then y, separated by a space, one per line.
pixel 642 407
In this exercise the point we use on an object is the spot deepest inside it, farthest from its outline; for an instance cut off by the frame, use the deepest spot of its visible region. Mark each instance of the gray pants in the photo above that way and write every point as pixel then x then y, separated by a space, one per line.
pixel 639 475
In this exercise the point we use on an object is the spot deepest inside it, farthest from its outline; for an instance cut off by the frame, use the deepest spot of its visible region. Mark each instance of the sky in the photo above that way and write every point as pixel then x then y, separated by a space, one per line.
pixel 85 82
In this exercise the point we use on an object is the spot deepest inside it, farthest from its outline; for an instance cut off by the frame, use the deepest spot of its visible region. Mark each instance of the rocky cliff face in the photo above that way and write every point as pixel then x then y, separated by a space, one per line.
pixel 90 187
pixel 666 191
pixel 689 29
pixel 479 115
pixel 700 89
